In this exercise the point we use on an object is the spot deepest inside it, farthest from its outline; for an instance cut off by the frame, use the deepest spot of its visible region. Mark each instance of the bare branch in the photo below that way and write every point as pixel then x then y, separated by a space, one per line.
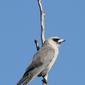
pixel 42 17
pixel 37 45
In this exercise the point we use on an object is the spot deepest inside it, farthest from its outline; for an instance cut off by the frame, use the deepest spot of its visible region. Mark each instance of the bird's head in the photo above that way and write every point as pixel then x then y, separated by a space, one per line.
pixel 55 41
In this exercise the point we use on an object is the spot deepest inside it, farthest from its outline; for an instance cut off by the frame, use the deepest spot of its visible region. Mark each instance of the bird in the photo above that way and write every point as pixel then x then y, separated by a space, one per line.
pixel 42 60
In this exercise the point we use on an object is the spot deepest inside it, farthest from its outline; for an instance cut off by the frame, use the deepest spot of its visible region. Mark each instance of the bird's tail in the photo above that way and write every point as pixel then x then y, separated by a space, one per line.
pixel 27 77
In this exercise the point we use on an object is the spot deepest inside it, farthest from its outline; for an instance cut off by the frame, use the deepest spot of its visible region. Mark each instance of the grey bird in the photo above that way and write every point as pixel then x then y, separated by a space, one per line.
pixel 42 60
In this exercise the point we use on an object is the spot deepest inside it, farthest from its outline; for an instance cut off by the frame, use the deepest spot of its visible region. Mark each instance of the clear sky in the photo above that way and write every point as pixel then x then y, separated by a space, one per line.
pixel 19 26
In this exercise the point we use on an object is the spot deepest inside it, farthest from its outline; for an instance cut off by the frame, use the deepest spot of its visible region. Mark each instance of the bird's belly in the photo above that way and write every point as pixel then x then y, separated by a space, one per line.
pixel 52 62
pixel 47 69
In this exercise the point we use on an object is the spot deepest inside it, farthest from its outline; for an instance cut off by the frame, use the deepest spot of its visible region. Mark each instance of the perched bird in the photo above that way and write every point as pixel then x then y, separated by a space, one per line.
pixel 43 60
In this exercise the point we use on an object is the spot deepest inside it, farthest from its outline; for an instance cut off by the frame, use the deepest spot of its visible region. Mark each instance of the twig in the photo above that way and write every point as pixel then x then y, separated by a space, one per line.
pixel 37 45
pixel 42 17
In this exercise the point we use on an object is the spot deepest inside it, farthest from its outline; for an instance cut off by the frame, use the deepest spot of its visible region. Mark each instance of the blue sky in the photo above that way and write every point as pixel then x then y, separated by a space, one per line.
pixel 20 25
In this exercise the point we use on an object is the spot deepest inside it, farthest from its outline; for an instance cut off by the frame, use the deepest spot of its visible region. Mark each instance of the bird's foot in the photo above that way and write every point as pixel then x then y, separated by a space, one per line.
pixel 44 81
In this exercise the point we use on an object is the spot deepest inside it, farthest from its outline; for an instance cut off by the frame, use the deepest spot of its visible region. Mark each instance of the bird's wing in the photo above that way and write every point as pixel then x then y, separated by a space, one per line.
pixel 44 55
pixel 42 58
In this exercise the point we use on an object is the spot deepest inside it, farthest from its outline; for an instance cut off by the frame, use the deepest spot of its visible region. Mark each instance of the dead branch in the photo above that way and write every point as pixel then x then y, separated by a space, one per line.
pixel 42 18
pixel 37 45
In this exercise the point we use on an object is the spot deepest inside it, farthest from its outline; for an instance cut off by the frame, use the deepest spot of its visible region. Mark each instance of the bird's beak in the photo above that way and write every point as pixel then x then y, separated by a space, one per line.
pixel 61 41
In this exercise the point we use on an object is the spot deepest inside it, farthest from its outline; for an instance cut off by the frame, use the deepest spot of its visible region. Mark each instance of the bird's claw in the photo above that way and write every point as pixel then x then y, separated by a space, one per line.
pixel 44 81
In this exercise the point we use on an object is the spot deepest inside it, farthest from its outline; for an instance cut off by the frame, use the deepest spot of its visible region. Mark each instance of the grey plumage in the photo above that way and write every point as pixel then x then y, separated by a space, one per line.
pixel 42 61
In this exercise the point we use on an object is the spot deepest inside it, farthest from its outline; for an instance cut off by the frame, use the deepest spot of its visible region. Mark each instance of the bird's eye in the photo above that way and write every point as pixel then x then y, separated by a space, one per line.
pixel 56 40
